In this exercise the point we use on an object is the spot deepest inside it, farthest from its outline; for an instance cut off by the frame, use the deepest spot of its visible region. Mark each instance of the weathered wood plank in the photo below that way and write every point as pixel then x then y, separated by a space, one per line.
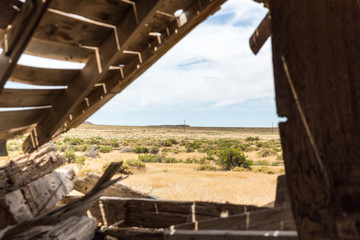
pixel 16 132
pixel 19 35
pixel 261 34
pixel 154 213
pixel 316 67
pixel 19 119
pixel 231 235
pixel 58 28
pixel 36 197
pixel 279 218
pixel 28 97
pixel 84 185
pixel 109 12
pixel 27 168
pixel 43 76
pixel 3 149
pixel 30 228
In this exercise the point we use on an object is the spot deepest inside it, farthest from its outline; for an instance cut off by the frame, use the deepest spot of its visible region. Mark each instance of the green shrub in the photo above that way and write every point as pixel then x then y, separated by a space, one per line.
pixel 166 143
pixel 150 158
pixel 70 156
pixel 114 143
pixel 264 169
pixel 240 169
pixel 262 144
pixel 93 140
pixel 166 149
pixel 172 160
pixel 135 164
pixel 276 149
pixel 188 161
pixel 173 141
pixel 232 157
pixel 80 160
pixel 105 149
pixel 76 141
pixel 206 167
pixel 277 163
pixel 252 139
pixel 280 157
pixel 84 148
pixel 262 163
pixel 141 150
pixel 189 149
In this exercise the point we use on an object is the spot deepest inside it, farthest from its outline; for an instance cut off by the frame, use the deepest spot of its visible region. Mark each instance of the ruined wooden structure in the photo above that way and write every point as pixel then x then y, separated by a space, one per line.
pixel 316 48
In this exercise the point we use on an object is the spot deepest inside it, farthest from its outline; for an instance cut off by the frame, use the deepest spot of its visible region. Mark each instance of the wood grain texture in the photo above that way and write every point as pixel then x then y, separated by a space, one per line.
pixel 110 12
pixel 320 45
pixel 29 167
pixel 28 97
pixel 8 12
pixel 279 218
pixel 43 76
pixel 18 119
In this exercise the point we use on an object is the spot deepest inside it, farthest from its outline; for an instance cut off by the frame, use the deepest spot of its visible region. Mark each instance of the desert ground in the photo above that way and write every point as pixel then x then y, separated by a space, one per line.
pixel 184 162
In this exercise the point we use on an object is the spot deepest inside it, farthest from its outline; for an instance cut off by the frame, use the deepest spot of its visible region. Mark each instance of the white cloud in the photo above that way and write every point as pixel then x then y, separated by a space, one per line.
pixel 224 70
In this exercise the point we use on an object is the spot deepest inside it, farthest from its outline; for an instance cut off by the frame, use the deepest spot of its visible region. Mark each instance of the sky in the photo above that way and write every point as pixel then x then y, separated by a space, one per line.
pixel 210 78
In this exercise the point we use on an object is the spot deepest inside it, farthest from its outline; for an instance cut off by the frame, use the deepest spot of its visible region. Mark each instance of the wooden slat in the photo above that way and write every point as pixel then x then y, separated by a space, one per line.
pixel 282 192
pixel 21 118
pixel 230 235
pixel 58 28
pixel 58 51
pixel 261 34
pixel 279 218
pixel 154 213
pixel 8 12
pixel 110 12
pixel 97 98
pixel 19 35
pixel 28 97
pixel 16 132
pixel 132 233
pixel 43 76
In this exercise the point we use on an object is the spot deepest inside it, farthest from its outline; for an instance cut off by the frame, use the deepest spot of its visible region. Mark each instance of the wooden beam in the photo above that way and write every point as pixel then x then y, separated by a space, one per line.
pixel 261 34
pixel 9 10
pixel 43 76
pixel 19 35
pixel 92 73
pixel 170 35
pixel 19 119
pixel 316 68
pixel 28 97
pixel 231 235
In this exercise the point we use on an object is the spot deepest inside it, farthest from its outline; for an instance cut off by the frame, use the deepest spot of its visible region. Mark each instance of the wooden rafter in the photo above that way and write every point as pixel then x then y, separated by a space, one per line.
pixel 19 35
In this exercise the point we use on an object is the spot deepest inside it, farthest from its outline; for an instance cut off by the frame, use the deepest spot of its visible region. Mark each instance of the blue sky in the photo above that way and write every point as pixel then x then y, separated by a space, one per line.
pixel 210 78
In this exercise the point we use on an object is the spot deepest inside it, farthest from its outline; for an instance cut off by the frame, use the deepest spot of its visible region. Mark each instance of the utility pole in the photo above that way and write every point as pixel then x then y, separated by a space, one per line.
pixel 184 126
pixel 272 128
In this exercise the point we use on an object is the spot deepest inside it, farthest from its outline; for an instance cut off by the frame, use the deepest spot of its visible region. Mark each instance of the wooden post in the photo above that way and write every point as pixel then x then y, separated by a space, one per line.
pixel 316 67
pixel 3 150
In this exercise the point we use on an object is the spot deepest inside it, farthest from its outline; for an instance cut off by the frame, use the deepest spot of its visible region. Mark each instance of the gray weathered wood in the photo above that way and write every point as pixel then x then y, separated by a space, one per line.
pixel 231 235
pixel 37 197
pixel 29 167
pixel 279 218
pixel 18 119
pixel 84 185
pixel 282 193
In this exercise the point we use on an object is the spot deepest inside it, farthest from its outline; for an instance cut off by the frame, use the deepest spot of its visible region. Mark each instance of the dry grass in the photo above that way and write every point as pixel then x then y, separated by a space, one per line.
pixel 183 182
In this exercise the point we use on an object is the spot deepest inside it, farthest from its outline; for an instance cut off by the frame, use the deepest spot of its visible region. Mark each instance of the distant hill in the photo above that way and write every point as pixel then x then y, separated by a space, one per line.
pixel 168 126
pixel 88 122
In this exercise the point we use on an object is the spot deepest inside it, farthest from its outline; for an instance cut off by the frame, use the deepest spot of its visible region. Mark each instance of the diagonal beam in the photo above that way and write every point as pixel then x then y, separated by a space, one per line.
pixel 170 35
pixel 19 36
pixel 95 70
